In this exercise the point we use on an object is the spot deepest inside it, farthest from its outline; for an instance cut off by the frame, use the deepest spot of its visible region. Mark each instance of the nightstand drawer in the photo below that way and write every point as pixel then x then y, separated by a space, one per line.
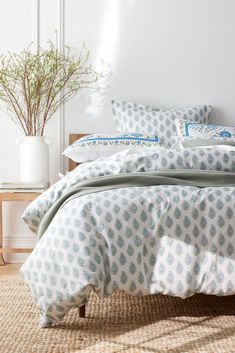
pixel 15 250
pixel 13 196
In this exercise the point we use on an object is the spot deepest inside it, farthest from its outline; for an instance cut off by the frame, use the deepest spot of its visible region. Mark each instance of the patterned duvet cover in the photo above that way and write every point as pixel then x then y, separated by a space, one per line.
pixel 171 239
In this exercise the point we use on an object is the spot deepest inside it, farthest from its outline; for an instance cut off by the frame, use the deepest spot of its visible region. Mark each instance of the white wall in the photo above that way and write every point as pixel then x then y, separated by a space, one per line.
pixel 162 52
pixel 17 30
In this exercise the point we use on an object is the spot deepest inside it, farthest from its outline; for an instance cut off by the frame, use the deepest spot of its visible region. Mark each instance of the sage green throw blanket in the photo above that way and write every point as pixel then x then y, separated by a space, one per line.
pixel 197 178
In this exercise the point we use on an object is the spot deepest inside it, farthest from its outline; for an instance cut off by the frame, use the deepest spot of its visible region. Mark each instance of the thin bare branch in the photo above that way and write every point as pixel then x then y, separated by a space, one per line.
pixel 34 86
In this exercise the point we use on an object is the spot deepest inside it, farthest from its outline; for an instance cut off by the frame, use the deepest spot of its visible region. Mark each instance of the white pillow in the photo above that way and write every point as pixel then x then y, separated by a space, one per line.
pixel 227 144
pixel 91 147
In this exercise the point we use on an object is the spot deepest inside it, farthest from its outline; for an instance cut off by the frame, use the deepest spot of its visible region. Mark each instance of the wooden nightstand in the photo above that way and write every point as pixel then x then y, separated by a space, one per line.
pixel 13 196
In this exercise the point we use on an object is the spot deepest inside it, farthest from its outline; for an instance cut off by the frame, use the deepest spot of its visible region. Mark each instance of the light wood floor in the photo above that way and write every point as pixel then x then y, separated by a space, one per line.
pixel 10 271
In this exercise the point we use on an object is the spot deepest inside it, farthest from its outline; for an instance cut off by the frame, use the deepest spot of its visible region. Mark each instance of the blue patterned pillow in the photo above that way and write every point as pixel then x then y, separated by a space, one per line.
pixel 191 129
pixel 131 117
pixel 91 147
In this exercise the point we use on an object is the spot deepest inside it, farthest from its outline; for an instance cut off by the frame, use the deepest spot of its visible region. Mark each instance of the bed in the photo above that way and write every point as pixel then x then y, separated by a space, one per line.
pixel 154 222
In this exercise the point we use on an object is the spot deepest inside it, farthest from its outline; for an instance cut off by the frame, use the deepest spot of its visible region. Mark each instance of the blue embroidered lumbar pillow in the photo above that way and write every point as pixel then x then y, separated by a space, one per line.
pixel 191 129
pixel 91 147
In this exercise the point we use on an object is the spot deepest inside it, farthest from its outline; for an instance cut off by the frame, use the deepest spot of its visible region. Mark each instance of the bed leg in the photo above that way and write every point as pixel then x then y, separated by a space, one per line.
pixel 82 311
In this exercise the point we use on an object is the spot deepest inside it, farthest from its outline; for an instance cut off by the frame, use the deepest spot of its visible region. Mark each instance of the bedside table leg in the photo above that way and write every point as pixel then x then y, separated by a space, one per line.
pixel 2 261
pixel 82 311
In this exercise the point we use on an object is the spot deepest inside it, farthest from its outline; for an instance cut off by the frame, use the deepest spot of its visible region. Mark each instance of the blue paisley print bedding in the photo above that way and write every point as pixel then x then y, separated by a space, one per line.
pixel 171 239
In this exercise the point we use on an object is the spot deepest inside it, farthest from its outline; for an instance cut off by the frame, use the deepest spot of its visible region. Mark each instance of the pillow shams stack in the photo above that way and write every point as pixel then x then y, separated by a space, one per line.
pixel 91 147
pixel 131 117
pixel 140 127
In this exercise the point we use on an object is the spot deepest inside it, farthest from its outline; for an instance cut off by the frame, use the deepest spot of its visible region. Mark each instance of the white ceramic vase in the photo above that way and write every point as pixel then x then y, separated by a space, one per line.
pixel 34 158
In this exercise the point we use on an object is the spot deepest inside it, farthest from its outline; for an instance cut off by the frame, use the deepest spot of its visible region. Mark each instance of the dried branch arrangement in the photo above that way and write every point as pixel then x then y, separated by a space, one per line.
pixel 33 86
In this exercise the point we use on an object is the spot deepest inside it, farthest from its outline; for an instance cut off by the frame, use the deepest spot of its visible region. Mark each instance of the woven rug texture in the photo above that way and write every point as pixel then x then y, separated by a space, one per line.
pixel 120 324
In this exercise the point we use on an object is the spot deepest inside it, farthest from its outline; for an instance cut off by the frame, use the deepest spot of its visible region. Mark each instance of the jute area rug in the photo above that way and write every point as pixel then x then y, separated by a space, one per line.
pixel 121 323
